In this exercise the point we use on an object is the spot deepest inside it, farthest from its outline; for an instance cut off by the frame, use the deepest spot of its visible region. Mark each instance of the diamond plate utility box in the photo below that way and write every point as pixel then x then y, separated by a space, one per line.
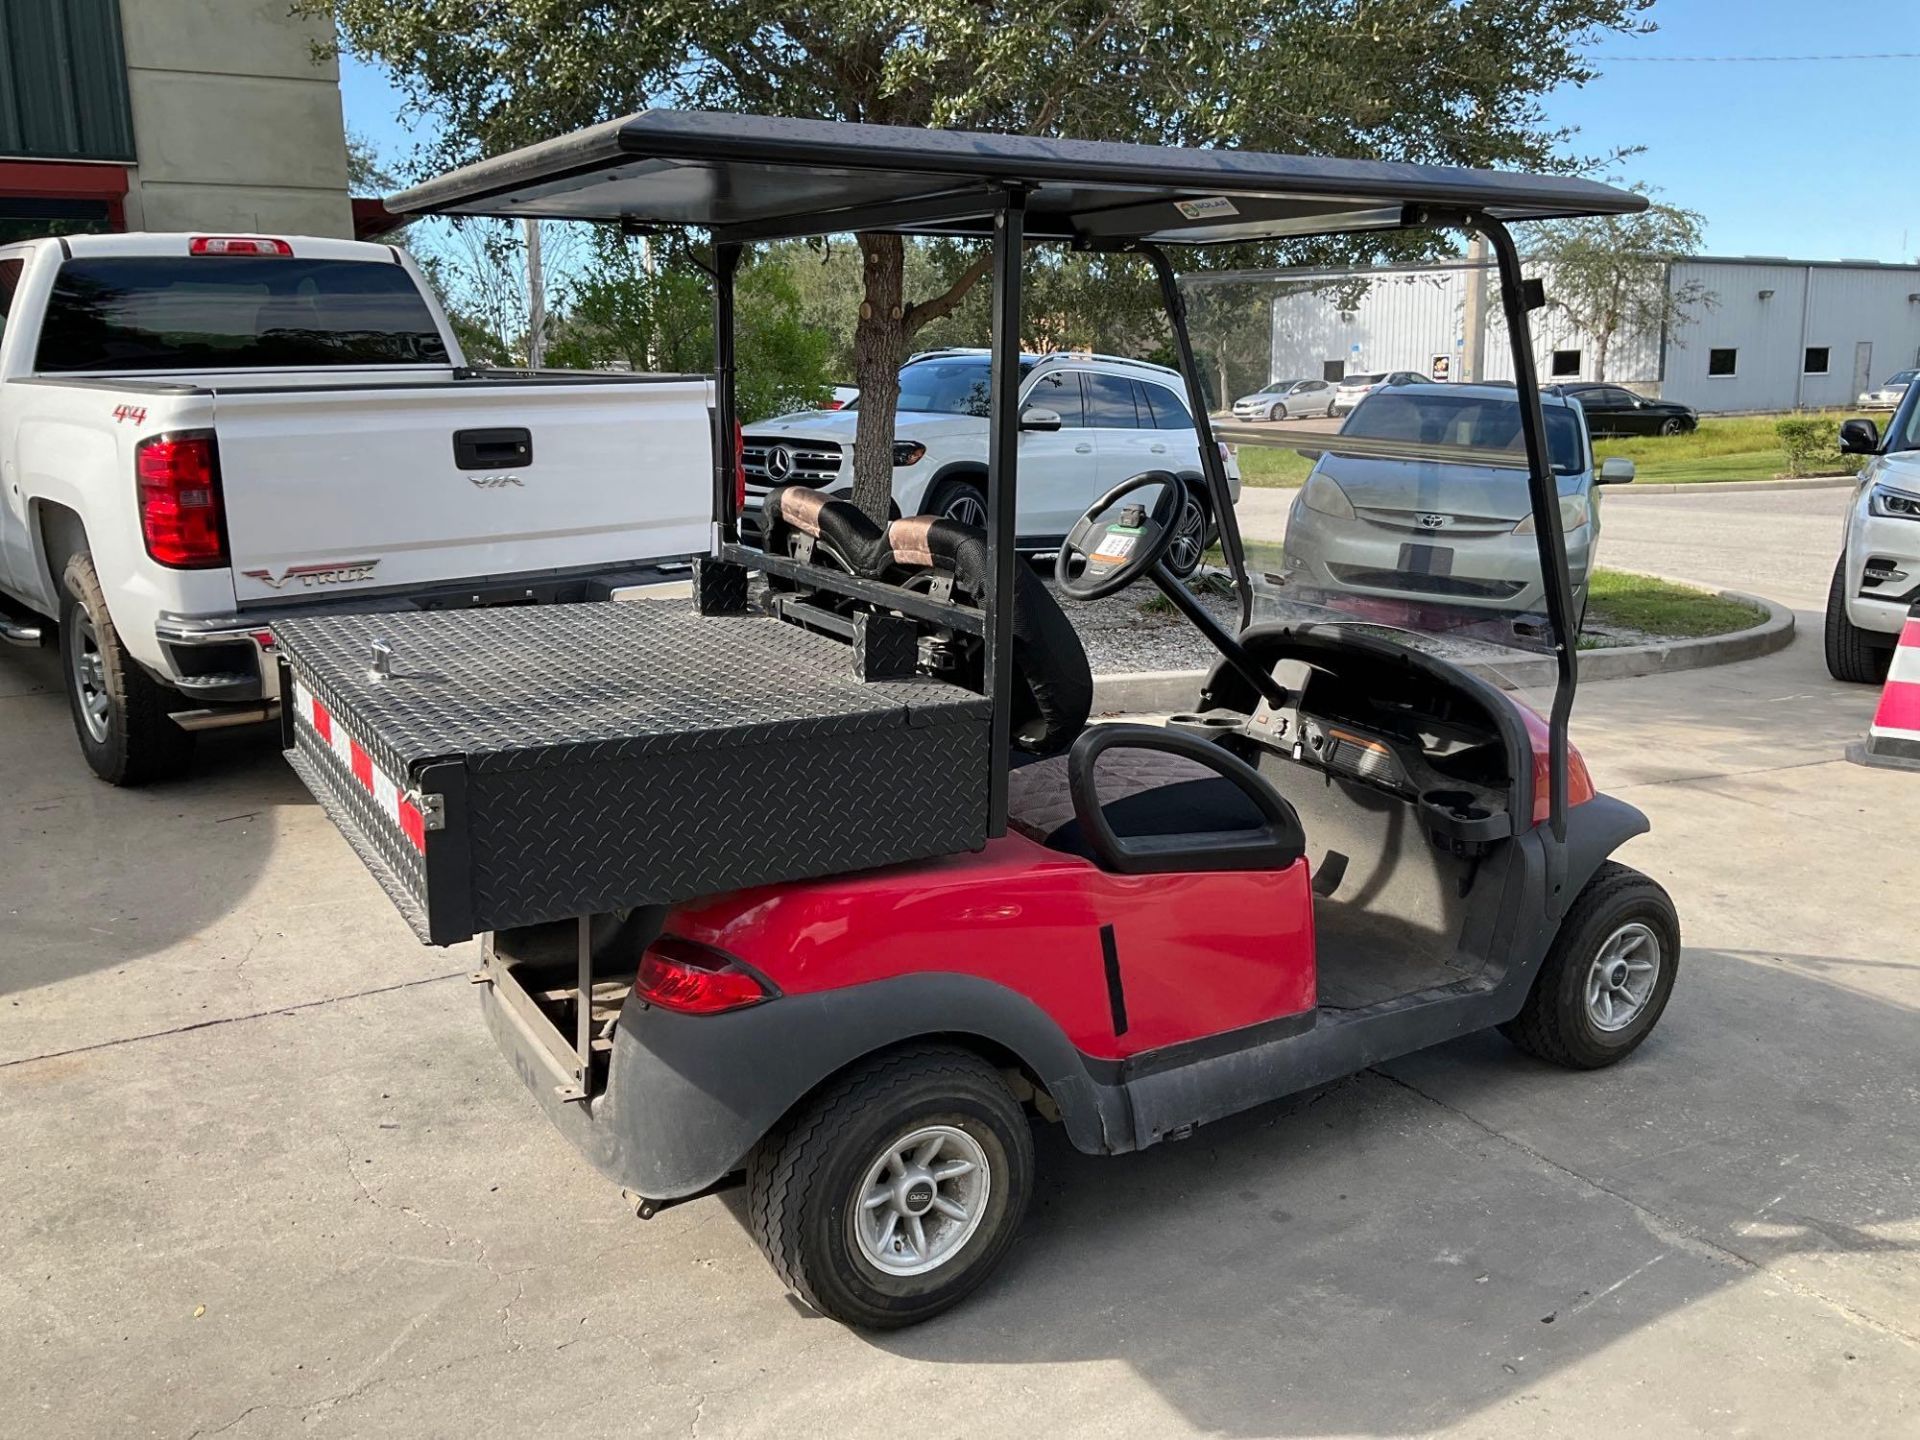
pixel 521 765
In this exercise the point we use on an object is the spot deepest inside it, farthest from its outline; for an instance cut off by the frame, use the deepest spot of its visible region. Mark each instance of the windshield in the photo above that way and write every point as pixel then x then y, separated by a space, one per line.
pixel 231 311
pixel 1414 518
pixel 960 386
pixel 1483 422
pixel 1905 377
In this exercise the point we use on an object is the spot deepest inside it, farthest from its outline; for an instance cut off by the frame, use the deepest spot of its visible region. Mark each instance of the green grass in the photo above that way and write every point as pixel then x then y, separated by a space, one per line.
pixel 1659 607
pixel 1733 447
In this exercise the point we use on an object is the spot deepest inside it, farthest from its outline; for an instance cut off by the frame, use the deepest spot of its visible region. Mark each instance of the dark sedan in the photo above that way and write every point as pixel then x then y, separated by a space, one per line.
pixel 1613 411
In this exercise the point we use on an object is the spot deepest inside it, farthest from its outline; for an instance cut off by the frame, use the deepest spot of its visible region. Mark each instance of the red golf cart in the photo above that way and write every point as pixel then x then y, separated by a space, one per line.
pixel 826 884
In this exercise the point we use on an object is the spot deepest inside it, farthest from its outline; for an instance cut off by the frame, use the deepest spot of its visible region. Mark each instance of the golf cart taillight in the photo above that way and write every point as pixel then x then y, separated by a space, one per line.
pixel 693 979
pixel 178 478
pixel 237 245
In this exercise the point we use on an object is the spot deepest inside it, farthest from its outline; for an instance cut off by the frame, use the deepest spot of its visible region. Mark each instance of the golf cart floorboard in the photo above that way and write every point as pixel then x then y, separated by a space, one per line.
pixel 1368 959
pixel 531 764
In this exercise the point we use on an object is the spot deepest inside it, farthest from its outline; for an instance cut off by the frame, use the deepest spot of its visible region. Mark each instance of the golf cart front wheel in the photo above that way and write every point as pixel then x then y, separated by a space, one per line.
pixel 896 1191
pixel 1607 975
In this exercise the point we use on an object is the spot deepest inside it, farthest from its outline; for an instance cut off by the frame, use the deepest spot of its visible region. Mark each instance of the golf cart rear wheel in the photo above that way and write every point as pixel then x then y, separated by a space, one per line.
pixel 1607 976
pixel 891 1195
pixel 1849 655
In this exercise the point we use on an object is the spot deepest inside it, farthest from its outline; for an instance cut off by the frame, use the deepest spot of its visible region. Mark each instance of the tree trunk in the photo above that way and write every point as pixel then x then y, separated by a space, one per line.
pixel 1600 344
pixel 879 350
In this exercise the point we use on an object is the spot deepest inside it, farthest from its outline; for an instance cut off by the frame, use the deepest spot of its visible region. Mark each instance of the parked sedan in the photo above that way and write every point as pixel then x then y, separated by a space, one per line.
pixel 1441 530
pixel 1286 399
pixel 1892 391
pixel 1355 388
pixel 1614 411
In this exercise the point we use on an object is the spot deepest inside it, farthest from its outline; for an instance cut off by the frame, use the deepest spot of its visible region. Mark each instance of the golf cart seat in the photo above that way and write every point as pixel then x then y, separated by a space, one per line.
pixel 1053 683
pixel 1139 799
pixel 805 524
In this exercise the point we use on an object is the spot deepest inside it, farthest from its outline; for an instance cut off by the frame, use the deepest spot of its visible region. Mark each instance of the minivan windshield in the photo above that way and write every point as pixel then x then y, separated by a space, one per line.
pixel 203 312
pixel 1485 422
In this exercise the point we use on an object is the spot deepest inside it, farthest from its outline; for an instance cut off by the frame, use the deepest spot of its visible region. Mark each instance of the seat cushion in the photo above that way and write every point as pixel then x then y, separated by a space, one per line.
pixel 1143 792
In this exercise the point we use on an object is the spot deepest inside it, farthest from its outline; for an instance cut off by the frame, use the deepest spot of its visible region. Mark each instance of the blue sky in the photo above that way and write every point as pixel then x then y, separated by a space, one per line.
pixel 1808 158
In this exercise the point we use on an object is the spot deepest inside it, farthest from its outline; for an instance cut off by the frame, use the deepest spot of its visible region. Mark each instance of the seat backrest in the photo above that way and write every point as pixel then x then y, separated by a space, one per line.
pixel 1053 684
pixel 839 527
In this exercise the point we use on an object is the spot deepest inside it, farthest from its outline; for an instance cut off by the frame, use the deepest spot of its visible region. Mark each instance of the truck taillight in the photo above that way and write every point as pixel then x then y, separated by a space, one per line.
pixel 237 245
pixel 181 519
pixel 694 979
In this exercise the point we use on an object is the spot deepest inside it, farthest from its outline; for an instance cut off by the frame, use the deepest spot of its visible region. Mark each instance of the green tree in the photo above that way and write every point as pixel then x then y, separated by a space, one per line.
pixel 1406 79
pixel 1609 274
pixel 617 313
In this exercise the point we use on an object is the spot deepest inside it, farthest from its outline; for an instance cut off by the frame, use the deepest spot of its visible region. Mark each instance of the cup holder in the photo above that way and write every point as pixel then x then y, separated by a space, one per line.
pixel 1212 725
pixel 1458 822
pixel 1458 803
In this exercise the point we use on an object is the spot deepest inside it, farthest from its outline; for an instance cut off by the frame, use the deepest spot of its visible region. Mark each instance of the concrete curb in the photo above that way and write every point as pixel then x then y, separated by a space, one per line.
pixel 1709 487
pixel 1156 692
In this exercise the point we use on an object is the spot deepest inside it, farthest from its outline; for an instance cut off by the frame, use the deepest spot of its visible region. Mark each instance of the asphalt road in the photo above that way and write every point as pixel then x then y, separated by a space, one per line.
pixel 265 1173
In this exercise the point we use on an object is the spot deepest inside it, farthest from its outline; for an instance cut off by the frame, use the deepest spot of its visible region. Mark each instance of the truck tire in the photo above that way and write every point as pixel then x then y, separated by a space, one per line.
pixel 891 1195
pixel 1849 656
pixel 122 715
pixel 1607 976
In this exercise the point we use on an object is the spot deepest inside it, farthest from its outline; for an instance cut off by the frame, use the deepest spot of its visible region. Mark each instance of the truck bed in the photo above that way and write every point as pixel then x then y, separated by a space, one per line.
pixel 520 766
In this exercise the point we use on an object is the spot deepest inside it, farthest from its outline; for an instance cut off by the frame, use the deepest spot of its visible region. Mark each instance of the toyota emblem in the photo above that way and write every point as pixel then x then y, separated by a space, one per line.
pixel 1430 521
pixel 779 462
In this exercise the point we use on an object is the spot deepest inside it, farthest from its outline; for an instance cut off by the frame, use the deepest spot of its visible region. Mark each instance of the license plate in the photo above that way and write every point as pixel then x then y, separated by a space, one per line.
pixel 1426 559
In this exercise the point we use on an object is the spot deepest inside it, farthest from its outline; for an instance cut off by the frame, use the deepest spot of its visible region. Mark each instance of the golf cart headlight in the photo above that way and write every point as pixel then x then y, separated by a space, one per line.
pixel 1323 495
pixel 1574 512
pixel 908 452
pixel 1884 500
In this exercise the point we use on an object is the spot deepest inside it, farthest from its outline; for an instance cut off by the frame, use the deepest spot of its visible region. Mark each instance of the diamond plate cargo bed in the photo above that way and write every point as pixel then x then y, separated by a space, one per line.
pixel 526 765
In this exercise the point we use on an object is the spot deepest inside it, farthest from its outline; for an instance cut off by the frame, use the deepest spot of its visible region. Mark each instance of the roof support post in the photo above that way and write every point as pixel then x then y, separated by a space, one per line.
pixel 726 524
pixel 1003 465
pixel 1544 492
pixel 1226 522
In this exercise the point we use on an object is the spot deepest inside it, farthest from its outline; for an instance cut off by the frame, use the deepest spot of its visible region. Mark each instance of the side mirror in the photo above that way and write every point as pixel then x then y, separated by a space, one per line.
pixel 1616 470
pixel 1037 417
pixel 1859 437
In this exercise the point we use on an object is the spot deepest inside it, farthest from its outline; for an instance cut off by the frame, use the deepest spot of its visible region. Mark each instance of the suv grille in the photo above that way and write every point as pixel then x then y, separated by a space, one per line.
pixel 806 462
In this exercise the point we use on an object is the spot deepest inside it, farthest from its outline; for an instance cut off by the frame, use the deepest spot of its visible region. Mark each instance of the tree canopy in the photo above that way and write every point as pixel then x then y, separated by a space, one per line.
pixel 1403 79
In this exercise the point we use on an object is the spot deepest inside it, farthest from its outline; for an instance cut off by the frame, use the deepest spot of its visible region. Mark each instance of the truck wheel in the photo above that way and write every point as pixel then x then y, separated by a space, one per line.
pixel 121 714
pixel 1607 975
pixel 893 1194
pixel 1849 656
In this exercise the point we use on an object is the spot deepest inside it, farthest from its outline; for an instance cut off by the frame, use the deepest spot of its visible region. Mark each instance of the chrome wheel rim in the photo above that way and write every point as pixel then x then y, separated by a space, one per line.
pixel 922 1200
pixel 89 675
pixel 1670 427
pixel 968 510
pixel 1621 981
pixel 1183 555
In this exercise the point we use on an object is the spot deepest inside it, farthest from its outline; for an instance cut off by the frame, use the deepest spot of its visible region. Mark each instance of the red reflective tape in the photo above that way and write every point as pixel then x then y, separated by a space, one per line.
pixel 322 721
pixel 362 764
pixel 1899 706
pixel 415 825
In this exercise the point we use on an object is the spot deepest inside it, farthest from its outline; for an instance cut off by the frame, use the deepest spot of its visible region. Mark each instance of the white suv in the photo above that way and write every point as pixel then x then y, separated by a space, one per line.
pixel 1877 580
pixel 1115 418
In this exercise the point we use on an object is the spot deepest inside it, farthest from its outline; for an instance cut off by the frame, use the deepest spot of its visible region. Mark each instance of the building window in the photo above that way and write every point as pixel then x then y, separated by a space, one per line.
pixel 1722 362
pixel 1333 370
pixel 1566 363
pixel 1816 361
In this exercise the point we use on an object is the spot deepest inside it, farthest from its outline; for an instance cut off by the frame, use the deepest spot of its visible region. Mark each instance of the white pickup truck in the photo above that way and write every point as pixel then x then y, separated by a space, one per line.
pixel 199 434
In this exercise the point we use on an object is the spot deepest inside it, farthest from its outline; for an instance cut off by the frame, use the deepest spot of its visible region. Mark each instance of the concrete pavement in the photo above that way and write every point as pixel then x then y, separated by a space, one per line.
pixel 230 1079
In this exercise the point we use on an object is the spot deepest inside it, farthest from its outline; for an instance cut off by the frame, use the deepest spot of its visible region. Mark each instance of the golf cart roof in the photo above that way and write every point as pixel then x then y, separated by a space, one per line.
pixel 751 177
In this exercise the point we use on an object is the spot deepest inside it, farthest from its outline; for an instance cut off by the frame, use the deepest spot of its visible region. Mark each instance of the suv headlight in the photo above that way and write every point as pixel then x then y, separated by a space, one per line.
pixel 1321 493
pixel 1893 504
pixel 1574 512
pixel 908 452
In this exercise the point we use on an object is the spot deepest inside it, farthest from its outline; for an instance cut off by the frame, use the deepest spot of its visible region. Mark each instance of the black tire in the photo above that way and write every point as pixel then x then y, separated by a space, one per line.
pixel 1850 657
pixel 1557 1023
pixel 804 1183
pixel 1674 426
pixel 121 714
pixel 960 500
pixel 1276 414
pixel 1193 510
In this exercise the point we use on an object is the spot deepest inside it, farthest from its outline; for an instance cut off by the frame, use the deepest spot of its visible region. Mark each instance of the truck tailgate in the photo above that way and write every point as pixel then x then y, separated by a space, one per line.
pixel 330 491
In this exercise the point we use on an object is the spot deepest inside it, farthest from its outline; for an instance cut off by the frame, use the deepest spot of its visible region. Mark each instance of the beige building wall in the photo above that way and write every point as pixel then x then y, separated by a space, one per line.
pixel 236 125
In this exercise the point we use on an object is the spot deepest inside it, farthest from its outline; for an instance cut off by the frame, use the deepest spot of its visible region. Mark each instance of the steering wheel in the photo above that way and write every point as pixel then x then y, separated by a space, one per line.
pixel 1119 551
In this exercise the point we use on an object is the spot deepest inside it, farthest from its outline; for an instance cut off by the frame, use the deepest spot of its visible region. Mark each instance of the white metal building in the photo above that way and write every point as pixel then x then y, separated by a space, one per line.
pixel 1780 334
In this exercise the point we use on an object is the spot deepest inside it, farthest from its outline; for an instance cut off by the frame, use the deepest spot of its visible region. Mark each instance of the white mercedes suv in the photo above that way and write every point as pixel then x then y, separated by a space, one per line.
pixel 1877 580
pixel 1087 422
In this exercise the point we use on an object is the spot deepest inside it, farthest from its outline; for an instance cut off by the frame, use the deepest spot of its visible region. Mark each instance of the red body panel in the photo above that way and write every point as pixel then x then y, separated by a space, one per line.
pixel 1199 954
pixel 1579 782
